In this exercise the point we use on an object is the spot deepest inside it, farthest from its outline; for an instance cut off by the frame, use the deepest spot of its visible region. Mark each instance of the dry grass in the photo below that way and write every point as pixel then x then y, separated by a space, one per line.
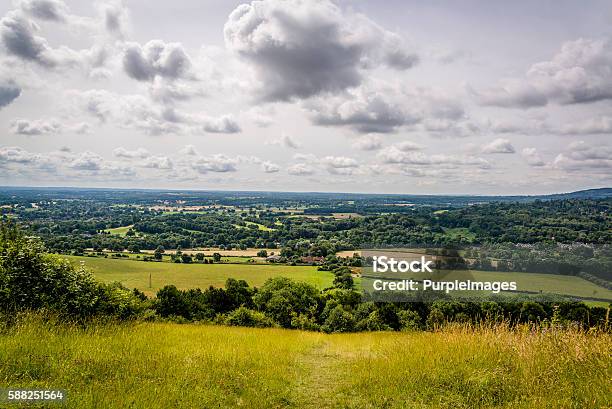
pixel 162 365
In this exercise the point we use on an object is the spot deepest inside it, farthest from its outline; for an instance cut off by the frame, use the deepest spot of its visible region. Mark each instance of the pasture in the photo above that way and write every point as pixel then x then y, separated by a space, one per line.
pixel 135 274
pixel 163 365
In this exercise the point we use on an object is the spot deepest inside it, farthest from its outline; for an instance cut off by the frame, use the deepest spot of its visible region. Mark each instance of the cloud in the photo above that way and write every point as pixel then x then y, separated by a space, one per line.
pixel 224 124
pixel 393 155
pixel 499 145
pixel 339 165
pixel 300 169
pixel 601 125
pixel 215 163
pixel 407 146
pixel 156 58
pixel 121 152
pixel 270 167
pixel 364 111
pixel 299 49
pixel 189 150
pixel 580 156
pixel 286 141
pixel 17 36
pixel 37 127
pixel 50 10
pixel 157 162
pixel 579 73
pixel 87 161
pixel 368 143
pixel 532 157
pixel 116 18
pixel 8 93
pixel 139 112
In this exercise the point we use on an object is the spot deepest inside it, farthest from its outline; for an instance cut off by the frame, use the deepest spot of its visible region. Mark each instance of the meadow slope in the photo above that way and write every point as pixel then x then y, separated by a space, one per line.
pixel 162 365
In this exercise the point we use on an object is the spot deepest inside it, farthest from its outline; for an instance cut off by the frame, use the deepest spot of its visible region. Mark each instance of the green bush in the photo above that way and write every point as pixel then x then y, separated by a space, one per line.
pixel 244 317
pixel 30 279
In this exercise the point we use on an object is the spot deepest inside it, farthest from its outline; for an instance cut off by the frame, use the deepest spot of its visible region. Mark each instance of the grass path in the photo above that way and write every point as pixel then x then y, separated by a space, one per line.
pixel 319 374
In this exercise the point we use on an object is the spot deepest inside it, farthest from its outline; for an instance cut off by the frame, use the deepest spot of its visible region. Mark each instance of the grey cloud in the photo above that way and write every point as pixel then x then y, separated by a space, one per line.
pixel 364 111
pixel 17 35
pixel 8 93
pixel 156 58
pixel 580 156
pixel 115 18
pixel 51 10
pixel 224 124
pixel 499 145
pixel 300 49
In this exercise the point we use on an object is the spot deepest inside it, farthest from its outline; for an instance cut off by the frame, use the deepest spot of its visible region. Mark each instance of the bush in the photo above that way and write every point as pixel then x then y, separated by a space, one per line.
pixel 409 320
pixel 339 320
pixel 30 279
pixel 281 298
pixel 244 317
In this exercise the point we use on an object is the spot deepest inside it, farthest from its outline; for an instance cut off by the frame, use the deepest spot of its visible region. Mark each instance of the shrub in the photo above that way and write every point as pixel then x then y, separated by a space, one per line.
pixel 409 320
pixel 245 317
pixel 339 320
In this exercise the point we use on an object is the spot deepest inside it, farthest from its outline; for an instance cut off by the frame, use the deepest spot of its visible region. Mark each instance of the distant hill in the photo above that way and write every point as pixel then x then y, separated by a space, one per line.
pixel 602 193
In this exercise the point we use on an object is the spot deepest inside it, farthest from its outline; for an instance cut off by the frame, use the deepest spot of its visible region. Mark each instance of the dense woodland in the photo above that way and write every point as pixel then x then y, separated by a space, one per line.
pixel 304 226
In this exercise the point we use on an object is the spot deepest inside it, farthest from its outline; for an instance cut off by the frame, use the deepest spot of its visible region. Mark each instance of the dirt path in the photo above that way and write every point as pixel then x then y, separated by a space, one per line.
pixel 320 372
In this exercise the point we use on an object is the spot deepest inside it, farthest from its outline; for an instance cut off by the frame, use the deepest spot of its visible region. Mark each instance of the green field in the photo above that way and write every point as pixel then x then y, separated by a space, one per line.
pixel 135 274
pixel 460 232
pixel 119 231
pixel 165 365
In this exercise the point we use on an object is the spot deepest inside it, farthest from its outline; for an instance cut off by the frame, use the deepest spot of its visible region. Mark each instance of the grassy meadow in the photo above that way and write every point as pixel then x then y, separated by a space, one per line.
pixel 135 274
pixel 163 365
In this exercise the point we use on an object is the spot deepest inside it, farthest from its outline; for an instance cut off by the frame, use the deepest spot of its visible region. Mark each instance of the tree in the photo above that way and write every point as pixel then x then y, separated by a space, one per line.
pixel 216 257
pixel 262 253
pixel 199 256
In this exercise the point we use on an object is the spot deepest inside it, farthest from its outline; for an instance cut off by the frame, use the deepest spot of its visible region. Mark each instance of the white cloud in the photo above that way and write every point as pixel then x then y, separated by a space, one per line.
pixel 579 73
pixel 368 143
pixel 499 145
pixel 215 163
pixel 140 153
pixel 532 157
pixel 270 167
pixel 300 169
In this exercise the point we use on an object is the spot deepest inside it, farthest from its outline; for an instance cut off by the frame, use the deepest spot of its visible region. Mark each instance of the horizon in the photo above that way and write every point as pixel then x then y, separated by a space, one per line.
pixel 22 187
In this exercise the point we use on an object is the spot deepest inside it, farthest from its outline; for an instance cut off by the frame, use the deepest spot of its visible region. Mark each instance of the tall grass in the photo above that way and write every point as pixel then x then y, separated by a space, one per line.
pixel 164 365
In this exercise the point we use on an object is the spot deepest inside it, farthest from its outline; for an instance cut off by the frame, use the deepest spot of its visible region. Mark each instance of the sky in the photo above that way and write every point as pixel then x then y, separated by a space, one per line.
pixel 411 97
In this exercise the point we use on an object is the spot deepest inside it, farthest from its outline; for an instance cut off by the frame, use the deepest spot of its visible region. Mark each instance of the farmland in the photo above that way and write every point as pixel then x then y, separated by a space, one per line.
pixel 135 274
pixel 161 365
